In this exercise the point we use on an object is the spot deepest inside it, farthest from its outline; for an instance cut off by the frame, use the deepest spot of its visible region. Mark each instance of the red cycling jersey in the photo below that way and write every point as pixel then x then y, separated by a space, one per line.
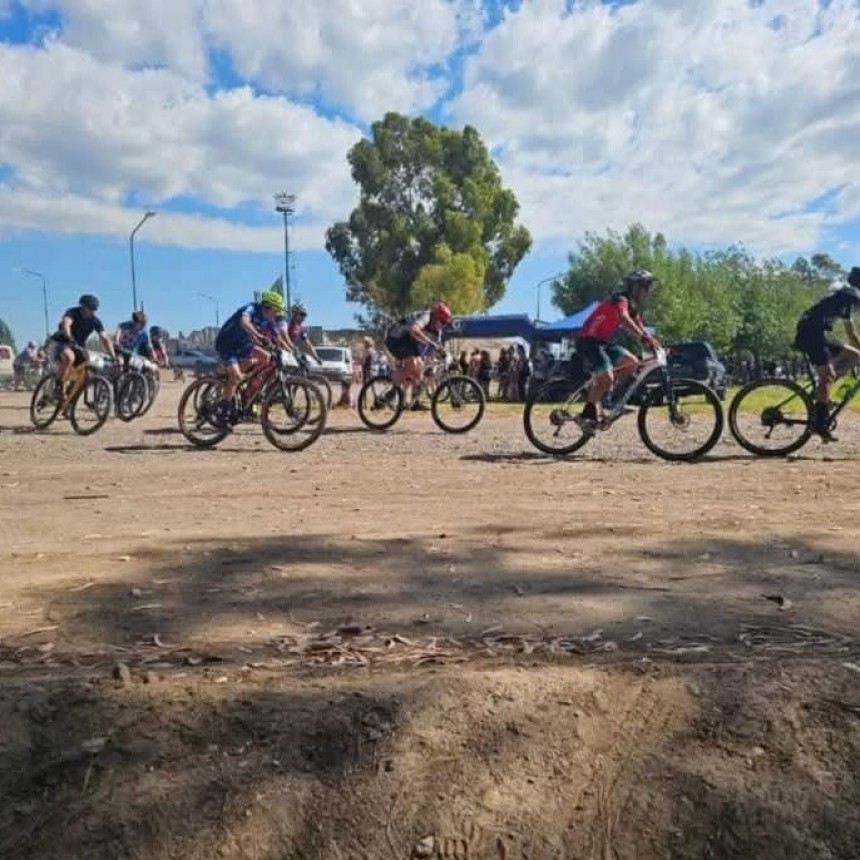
pixel 605 319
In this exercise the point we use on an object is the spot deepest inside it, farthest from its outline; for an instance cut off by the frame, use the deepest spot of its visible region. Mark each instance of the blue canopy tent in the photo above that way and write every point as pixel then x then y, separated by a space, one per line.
pixel 498 326
pixel 566 327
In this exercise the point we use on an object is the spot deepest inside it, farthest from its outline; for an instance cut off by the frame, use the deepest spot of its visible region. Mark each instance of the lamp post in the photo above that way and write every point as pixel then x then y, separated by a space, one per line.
pixel 539 284
pixel 44 295
pixel 142 221
pixel 284 202
pixel 215 302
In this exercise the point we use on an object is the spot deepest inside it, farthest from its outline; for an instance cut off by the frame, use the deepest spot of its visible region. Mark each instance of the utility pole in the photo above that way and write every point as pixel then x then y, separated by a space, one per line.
pixel 143 221
pixel 284 202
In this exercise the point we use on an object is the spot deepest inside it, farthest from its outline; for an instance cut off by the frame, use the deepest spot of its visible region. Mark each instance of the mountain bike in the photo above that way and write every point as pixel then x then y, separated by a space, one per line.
pixel 291 410
pixel 86 399
pixel 301 366
pixel 457 402
pixel 678 419
pixel 773 417
pixel 133 394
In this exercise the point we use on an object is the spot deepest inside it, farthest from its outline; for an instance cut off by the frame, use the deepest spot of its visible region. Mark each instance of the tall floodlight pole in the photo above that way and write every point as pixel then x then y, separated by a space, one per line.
pixel 142 221
pixel 215 302
pixel 44 295
pixel 539 284
pixel 284 202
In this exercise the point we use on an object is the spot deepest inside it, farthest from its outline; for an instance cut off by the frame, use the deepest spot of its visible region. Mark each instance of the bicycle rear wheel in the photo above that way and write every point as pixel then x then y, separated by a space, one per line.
pixel 197 413
pixel 153 386
pixel 45 403
pixel 550 417
pixel 380 403
pixel 324 386
pixel 92 405
pixel 683 423
pixel 457 404
pixel 131 395
pixel 293 414
pixel 771 417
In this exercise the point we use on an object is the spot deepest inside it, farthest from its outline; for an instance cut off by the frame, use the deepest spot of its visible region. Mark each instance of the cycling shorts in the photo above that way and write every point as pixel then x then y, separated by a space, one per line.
pixel 599 356
pixel 817 343
pixel 404 346
pixel 233 346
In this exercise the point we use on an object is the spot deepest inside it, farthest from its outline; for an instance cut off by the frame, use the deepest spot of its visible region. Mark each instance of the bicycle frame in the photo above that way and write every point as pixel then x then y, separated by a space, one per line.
pixel 646 367
pixel 848 394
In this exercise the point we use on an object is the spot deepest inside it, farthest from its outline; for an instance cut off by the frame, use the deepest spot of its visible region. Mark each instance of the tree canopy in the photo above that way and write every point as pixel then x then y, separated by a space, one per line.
pixel 740 304
pixel 433 220
pixel 6 335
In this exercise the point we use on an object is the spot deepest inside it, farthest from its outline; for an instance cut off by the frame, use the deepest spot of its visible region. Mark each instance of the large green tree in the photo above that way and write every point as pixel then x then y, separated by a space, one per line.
pixel 742 305
pixel 6 335
pixel 433 220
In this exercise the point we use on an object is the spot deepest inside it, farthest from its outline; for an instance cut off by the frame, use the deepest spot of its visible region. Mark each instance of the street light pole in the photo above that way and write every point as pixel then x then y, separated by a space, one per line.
pixel 215 302
pixel 540 283
pixel 143 221
pixel 284 202
pixel 44 295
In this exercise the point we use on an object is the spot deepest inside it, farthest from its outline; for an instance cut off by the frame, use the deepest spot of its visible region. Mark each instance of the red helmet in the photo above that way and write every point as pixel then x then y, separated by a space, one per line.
pixel 442 313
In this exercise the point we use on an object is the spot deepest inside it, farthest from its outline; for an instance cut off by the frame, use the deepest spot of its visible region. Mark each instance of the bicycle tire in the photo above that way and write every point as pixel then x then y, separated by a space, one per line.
pixel 313 419
pixel 544 394
pixel 324 386
pixel 96 394
pixel 153 386
pixel 388 412
pixel 132 392
pixel 41 396
pixel 655 400
pixel 202 393
pixel 449 391
pixel 792 389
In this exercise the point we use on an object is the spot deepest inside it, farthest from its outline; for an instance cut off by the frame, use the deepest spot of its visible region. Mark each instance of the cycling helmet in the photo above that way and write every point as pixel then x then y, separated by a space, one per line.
pixel 854 277
pixel 299 310
pixel 31 344
pixel 155 331
pixel 139 318
pixel 273 300
pixel 88 301
pixel 442 313
pixel 640 278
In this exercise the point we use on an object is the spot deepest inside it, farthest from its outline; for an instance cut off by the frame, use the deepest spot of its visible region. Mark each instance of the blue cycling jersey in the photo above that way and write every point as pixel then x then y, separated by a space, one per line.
pixel 233 326
pixel 134 340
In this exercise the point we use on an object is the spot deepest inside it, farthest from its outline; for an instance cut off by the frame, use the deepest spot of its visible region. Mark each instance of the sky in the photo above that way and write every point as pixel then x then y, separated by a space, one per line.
pixel 711 121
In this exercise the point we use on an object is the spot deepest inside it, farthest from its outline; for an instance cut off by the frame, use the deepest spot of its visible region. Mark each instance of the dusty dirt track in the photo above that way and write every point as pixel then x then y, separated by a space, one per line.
pixel 417 645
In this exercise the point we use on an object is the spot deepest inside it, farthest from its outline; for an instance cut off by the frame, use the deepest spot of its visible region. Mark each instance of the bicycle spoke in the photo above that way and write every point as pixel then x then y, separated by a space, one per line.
pixel 770 417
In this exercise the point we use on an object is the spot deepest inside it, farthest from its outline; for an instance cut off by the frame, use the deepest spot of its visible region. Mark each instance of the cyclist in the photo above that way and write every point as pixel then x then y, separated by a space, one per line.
pixel 132 338
pixel 298 334
pixel 25 360
pixel 408 340
pixel 159 347
pixel 610 362
pixel 69 341
pixel 830 357
pixel 240 345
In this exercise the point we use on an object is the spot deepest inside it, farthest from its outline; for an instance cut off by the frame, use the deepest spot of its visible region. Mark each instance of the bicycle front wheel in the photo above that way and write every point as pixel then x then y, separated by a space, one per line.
pixel 551 417
pixel 45 403
pixel 380 403
pixel 197 408
pixel 92 406
pixel 324 386
pixel 153 386
pixel 293 414
pixel 683 423
pixel 457 404
pixel 771 417
pixel 131 395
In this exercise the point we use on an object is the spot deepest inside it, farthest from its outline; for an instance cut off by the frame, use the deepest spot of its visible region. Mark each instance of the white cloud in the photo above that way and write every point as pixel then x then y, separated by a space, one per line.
pixel 704 120
pixel 70 125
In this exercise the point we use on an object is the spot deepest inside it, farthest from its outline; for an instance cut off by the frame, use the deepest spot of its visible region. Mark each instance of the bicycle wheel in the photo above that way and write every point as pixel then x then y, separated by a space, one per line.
pixel 153 386
pixel 324 386
pixel 92 405
pixel 293 414
pixel 380 403
pixel 457 404
pixel 771 417
pixel 131 395
pixel 550 417
pixel 45 403
pixel 196 413
pixel 682 423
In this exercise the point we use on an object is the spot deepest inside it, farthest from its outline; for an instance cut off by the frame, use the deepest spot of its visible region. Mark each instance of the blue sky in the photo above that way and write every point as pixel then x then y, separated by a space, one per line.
pixel 714 122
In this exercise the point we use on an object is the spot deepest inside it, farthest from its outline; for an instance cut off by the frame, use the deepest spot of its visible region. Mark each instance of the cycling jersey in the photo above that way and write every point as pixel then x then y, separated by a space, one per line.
pixel 134 340
pixel 839 305
pixel 233 343
pixel 82 327
pixel 605 319
pixel 405 324
pixel 297 331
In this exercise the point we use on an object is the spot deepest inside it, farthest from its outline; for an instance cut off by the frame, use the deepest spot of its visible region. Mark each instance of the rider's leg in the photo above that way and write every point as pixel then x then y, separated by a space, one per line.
pixel 65 361
pixel 600 384
pixel 845 359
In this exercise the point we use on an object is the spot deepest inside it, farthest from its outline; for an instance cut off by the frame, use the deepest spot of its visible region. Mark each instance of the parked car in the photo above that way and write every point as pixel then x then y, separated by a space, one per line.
pixel 697 359
pixel 192 359
pixel 336 363
pixel 7 357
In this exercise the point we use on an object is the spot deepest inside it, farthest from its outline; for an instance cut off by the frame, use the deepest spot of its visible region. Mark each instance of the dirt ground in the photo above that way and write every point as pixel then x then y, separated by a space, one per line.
pixel 418 645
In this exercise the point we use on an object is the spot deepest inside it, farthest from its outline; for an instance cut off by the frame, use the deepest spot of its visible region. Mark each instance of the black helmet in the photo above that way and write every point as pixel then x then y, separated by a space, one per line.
pixel 88 301
pixel 639 277
pixel 139 317
pixel 854 277
pixel 155 331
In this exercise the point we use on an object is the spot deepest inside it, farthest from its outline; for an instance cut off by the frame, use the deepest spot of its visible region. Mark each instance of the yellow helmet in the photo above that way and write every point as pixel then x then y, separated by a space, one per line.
pixel 273 300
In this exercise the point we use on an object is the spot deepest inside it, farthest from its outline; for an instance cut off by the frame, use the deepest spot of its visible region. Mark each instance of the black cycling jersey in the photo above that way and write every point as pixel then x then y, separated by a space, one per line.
pixel 838 305
pixel 82 327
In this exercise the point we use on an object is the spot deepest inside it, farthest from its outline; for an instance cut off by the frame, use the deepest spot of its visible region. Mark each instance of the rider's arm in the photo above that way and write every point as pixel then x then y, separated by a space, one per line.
pixel 105 338
pixel 66 326
pixel 312 350
pixel 420 335
pixel 851 331
pixel 249 328
pixel 634 327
